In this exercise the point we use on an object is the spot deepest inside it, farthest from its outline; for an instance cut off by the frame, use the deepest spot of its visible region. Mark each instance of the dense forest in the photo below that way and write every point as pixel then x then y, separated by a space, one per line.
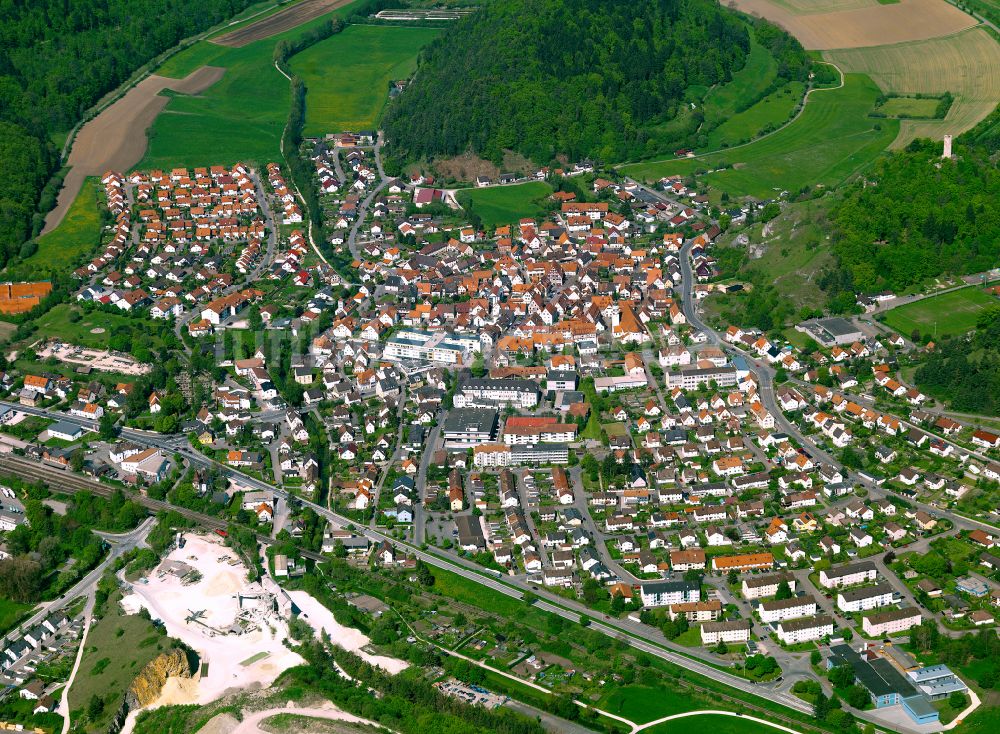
pixel 59 57
pixel 580 78
pixel 915 216
pixel 965 371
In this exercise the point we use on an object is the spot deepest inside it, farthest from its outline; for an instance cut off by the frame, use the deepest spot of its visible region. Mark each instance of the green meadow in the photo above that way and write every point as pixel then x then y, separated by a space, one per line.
pixel 347 76
pixel 239 118
pixel 832 139
pixel 499 205
pixel 68 245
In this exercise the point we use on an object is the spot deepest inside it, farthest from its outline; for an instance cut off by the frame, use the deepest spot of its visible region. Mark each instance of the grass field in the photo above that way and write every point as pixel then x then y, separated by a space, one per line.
pixel 10 613
pixel 643 704
pixel 57 323
pixel 469 592
pixel 773 110
pixel 77 236
pixel 746 86
pixel 950 313
pixel 118 647
pixel 498 205
pixel 832 139
pixel 711 724
pixel 239 118
pixel 912 107
pixel 348 75
pixel 966 64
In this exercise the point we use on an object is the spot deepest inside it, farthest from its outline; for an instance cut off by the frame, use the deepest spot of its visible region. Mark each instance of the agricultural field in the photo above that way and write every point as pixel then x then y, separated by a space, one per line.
pixel 273 23
pixel 948 314
pixel 76 237
pixel 116 138
pixel 832 139
pixel 829 24
pixel 966 64
pixel 347 76
pixel 239 118
pixel 498 205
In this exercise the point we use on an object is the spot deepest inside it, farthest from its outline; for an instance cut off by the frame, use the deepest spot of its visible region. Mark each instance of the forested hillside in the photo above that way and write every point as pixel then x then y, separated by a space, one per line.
pixel 580 78
pixel 965 371
pixel 57 58
pixel 915 217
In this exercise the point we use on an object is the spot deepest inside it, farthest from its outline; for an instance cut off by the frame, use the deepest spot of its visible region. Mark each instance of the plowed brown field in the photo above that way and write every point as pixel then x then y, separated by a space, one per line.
pixel 279 22
pixel 874 25
pixel 116 138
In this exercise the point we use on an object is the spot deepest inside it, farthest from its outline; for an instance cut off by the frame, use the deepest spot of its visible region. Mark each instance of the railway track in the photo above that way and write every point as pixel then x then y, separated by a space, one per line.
pixel 66 481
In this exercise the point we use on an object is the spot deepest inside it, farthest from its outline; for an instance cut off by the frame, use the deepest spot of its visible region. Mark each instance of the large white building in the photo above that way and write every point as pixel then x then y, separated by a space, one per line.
pixel 775 611
pixel 732 632
pixel 665 593
pixel 691 377
pixel 430 346
pixel 761 587
pixel 492 393
pixel 863 598
pixel 499 454
pixel 890 622
pixel 855 573
pixel 804 629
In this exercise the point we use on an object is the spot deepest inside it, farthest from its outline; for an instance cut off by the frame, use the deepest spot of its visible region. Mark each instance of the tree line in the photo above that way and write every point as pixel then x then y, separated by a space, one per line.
pixel 57 59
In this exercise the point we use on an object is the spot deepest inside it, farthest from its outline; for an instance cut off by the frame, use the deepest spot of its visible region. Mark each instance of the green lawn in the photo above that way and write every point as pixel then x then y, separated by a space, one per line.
pixel 117 648
pixel 923 108
pixel 239 118
pixel 950 313
pixel 348 75
pixel 643 704
pixel 832 139
pixel 73 241
pixel 498 205
pixel 711 724
pixel 10 613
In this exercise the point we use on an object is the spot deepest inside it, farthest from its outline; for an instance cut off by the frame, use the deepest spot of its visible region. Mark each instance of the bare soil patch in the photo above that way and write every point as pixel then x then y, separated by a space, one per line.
pixel 465 167
pixel 116 138
pixel 279 22
pixel 877 25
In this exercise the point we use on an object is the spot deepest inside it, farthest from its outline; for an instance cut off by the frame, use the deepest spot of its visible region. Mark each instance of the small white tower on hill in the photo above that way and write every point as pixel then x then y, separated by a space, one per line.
pixel 947 147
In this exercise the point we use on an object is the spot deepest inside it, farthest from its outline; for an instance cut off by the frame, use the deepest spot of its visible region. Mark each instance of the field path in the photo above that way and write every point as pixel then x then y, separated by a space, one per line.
pixel 116 138
pixel 250 723
pixel 687 714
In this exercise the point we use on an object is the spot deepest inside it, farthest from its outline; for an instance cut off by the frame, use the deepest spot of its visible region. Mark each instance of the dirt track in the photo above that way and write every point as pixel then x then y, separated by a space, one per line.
pixel 877 25
pixel 116 138
pixel 281 21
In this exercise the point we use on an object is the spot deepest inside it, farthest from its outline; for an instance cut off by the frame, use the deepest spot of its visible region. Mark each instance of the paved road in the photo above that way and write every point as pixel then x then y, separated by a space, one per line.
pixel 637 635
pixel 119 545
